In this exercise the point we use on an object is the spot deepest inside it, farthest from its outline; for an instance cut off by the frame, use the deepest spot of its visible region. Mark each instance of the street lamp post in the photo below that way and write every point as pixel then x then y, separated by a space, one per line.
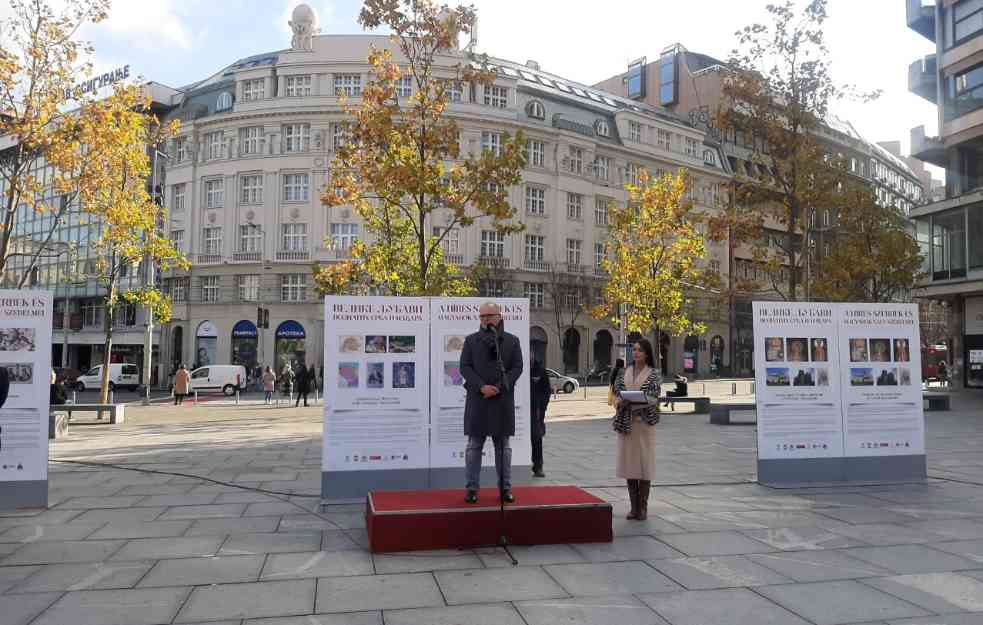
pixel 148 338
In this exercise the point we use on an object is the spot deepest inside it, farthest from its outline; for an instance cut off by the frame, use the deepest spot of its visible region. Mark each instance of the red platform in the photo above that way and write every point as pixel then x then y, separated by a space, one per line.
pixel 440 519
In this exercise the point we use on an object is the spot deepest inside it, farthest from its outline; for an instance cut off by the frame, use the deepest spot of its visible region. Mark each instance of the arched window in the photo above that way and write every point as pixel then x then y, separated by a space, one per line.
pixel 536 109
pixel 224 101
pixel 602 128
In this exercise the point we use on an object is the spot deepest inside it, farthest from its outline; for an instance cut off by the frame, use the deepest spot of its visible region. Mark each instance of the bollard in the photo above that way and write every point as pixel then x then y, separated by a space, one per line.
pixel 112 397
pixel 196 397
pixel 75 397
pixel 237 397
pixel 733 388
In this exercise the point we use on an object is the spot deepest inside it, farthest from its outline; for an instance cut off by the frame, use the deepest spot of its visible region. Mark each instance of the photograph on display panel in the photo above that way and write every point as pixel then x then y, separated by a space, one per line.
pixel 17 340
pixel 798 349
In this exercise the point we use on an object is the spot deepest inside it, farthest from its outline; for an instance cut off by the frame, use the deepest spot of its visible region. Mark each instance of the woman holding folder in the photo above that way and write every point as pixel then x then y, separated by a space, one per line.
pixel 635 424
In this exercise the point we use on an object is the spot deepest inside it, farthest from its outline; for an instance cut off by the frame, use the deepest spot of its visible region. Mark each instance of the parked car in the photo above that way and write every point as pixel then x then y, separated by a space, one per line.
pixel 121 375
pixel 562 382
pixel 226 378
pixel 67 375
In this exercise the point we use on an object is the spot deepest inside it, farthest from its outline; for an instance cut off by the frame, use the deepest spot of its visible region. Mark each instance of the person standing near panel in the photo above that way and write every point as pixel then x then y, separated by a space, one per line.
pixel 491 363
pixel 540 393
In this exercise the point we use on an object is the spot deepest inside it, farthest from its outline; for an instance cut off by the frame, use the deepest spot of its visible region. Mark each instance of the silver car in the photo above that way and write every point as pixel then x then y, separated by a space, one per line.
pixel 562 382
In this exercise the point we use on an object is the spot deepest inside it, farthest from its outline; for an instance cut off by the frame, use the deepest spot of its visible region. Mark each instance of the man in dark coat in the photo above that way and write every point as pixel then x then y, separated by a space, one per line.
pixel 539 384
pixel 303 384
pixel 489 409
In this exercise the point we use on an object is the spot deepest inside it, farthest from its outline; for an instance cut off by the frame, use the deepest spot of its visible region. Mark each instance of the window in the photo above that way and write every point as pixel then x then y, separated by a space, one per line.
pixel 602 167
pixel 635 80
pixel 177 238
pixel 491 142
pixel 663 139
pixel 296 187
pixel 251 140
pixel 251 189
pixel 667 78
pixel 576 160
pixel 536 110
pixel 177 198
pixel 181 151
pixel 249 288
pixel 339 135
pixel 296 137
pixel 213 145
pixel 634 131
pixel 496 96
pixel 967 19
pixel 254 89
pixel 692 147
pixel 535 153
pixel 179 289
pixel 298 86
pixel 250 238
pixel 293 287
pixel 294 237
pixel 451 243
pixel 535 248
pixel 214 193
pixel 349 85
pixel 494 288
pixel 453 90
pixel 575 206
pixel 535 292
pixel 599 255
pixel 224 102
pixel 91 313
pixel 404 87
pixel 535 200
pixel 211 241
pixel 826 218
pixel 633 174
pixel 602 128
pixel 492 243
pixel 601 211
pixel 209 288
pixel 573 251
pixel 343 235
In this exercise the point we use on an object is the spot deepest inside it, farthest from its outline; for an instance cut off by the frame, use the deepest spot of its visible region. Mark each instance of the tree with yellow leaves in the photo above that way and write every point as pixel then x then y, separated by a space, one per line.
pixel 40 62
pixel 113 168
pixel 654 257
pixel 402 168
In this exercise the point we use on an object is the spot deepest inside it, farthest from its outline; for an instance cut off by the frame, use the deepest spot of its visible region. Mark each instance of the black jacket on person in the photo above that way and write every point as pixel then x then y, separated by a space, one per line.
pixel 303 380
pixel 540 392
pixel 479 366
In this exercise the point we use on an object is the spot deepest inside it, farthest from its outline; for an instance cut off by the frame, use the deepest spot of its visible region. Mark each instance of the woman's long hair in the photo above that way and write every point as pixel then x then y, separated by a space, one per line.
pixel 619 364
pixel 649 354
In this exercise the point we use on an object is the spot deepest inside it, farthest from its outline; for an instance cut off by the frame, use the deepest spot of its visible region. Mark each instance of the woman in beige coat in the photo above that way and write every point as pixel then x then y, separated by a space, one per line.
pixel 182 385
pixel 636 449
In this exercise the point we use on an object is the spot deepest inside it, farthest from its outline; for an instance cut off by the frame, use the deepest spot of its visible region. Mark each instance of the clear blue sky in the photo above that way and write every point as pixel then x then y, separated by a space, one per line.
pixel 180 41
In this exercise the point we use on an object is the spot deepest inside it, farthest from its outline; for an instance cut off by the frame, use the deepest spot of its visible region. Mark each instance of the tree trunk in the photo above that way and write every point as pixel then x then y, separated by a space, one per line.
pixel 108 344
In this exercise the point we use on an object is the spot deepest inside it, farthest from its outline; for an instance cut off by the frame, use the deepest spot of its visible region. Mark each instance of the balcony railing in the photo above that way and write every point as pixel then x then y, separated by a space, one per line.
pixel 495 262
pixel 208 259
pixel 921 17
pixel 536 265
pixel 339 253
pixel 928 149
pixel 247 257
pixel 923 78
pixel 293 255
pixel 576 268
pixel 454 259
pixel 600 272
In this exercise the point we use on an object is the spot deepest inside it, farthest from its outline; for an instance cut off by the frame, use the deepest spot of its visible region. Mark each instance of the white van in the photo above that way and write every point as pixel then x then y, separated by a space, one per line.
pixel 226 378
pixel 121 375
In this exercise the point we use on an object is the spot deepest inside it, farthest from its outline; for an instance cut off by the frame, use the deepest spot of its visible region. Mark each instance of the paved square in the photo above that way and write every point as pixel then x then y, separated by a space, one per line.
pixel 491 585
pixel 88 576
pixel 115 607
pixel 204 571
pixel 833 603
pixel 624 610
pixel 720 607
pixel 236 601
pixel 378 592
pixel 718 572
pixel 613 578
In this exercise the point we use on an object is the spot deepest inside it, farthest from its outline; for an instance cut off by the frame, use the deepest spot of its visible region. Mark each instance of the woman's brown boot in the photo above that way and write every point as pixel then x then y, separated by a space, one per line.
pixel 643 487
pixel 633 497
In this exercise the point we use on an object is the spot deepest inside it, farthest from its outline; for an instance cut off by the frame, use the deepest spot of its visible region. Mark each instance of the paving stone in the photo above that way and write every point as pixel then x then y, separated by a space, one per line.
pixel 911 559
pixel 204 571
pixel 306 522
pixel 493 585
pixel 717 572
pixel 948 619
pixel 715 544
pixel 833 603
pixel 63 552
pixel 253 600
pixel 90 503
pixel 626 548
pixel 814 566
pixel 535 555
pixel 48 517
pixel 129 530
pixel 155 489
pixel 378 592
pixel 244 496
pixel 274 508
pixel 245 544
pixel 492 614
pixel 652 525
pixel 210 511
pixel 338 540
pixel 21 609
pixel 119 515
pixel 317 564
pixel 165 548
pixel 8 548
pixel 183 499
pixel 936 592
pixel 885 534
pixel 623 610
pixel 10 576
pixel 801 538
pixel 88 576
pixel 205 527
pixel 710 521
pixel 954 529
pixel 736 606
pixel 610 578
pixel 352 618
pixel 419 561
pixel 36 533
pixel 858 516
pixel 115 607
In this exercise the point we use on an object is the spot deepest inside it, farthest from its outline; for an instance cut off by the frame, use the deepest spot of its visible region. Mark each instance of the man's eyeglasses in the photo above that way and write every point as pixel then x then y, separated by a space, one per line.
pixel 488 315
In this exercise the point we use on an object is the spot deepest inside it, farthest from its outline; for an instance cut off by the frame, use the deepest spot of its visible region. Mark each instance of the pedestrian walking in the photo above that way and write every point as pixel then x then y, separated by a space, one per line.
pixel 182 384
pixel 540 387
pixel 635 425
pixel 303 383
pixel 287 378
pixel 269 384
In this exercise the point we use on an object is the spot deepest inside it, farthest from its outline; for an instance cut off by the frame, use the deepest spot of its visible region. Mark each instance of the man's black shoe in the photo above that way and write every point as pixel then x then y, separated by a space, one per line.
pixel 471 497
pixel 509 497
pixel 538 473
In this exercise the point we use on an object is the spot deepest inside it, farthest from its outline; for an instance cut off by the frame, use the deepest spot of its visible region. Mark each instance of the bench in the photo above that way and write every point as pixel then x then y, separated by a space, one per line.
pixel 936 401
pixel 700 404
pixel 116 411
pixel 721 414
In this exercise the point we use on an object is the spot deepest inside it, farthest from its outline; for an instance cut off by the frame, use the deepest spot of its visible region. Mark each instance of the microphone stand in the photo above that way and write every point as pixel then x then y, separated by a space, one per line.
pixel 503 540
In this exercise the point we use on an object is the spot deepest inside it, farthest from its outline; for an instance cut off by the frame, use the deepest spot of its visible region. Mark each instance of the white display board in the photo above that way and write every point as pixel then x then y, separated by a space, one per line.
pixel 880 372
pixel 376 382
pixel 452 319
pixel 798 383
pixel 25 351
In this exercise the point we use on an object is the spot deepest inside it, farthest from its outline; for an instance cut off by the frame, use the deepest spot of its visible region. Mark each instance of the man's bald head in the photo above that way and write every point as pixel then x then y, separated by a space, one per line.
pixel 490 314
